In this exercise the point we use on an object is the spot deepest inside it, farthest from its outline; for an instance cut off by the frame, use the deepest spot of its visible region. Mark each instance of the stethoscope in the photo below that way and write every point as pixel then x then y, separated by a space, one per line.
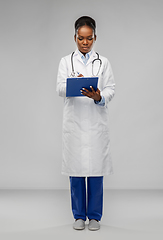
pixel 96 59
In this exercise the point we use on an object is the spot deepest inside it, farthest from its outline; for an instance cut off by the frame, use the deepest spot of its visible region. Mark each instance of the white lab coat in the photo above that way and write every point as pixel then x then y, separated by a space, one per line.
pixel 85 136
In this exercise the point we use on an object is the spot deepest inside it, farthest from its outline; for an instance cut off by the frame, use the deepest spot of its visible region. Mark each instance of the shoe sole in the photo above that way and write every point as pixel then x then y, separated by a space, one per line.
pixel 79 228
pixel 93 229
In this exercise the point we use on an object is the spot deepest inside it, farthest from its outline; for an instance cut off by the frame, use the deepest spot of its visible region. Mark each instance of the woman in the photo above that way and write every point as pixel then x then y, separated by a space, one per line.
pixel 86 144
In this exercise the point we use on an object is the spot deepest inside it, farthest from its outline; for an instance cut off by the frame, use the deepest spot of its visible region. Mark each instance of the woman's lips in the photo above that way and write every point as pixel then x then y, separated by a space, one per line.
pixel 85 48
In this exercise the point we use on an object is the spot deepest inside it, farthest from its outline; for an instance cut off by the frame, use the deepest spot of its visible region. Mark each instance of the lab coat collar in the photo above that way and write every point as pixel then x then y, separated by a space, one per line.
pixel 92 57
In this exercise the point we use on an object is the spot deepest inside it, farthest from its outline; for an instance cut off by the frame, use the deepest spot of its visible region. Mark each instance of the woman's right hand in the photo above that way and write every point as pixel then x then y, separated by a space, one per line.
pixel 80 75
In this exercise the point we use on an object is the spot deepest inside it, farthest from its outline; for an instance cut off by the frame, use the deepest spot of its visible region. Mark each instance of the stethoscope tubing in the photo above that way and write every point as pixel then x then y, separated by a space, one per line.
pixel 96 59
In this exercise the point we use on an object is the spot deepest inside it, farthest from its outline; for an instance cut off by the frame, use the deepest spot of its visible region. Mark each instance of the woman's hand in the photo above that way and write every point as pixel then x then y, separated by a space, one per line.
pixel 80 75
pixel 91 94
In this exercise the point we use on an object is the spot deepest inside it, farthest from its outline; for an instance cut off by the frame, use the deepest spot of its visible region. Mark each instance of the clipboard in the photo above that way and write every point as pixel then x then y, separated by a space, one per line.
pixel 74 85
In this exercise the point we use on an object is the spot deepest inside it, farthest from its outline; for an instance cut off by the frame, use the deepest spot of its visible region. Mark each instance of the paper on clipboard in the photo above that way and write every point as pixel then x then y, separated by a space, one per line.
pixel 74 85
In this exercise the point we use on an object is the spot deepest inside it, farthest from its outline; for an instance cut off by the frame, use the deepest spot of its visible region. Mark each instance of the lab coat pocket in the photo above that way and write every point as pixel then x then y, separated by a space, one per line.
pixel 103 117
pixel 68 115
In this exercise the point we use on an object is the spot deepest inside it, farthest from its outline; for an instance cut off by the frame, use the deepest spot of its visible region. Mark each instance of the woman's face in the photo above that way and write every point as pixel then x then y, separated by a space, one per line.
pixel 84 39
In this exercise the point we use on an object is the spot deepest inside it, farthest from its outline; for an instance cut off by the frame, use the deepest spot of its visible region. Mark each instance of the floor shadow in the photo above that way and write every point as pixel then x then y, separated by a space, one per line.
pixel 67 231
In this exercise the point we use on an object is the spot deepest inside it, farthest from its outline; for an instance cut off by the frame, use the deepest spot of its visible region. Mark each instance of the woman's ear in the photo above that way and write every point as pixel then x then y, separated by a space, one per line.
pixel 95 37
pixel 75 37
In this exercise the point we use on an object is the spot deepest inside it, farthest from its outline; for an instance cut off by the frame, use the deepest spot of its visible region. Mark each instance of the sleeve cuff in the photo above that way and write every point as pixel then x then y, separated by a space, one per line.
pixel 101 102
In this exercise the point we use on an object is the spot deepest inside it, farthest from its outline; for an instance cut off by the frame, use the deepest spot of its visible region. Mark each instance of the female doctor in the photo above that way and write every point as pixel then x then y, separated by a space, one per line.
pixel 86 144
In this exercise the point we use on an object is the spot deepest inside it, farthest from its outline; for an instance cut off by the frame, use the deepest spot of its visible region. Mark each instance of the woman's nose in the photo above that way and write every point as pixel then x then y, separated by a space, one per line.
pixel 85 41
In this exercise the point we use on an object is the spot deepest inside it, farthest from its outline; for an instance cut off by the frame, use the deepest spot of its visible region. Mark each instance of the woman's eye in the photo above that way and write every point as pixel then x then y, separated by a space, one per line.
pixel 89 39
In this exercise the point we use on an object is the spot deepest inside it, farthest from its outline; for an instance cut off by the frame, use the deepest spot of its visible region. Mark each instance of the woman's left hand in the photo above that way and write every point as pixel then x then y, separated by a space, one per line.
pixel 91 94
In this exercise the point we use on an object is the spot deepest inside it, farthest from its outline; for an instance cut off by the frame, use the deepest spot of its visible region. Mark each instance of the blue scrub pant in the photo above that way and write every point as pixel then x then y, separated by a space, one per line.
pixel 87 205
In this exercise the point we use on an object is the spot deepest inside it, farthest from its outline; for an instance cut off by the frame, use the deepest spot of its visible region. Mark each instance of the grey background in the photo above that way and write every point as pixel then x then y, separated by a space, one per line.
pixel 34 35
